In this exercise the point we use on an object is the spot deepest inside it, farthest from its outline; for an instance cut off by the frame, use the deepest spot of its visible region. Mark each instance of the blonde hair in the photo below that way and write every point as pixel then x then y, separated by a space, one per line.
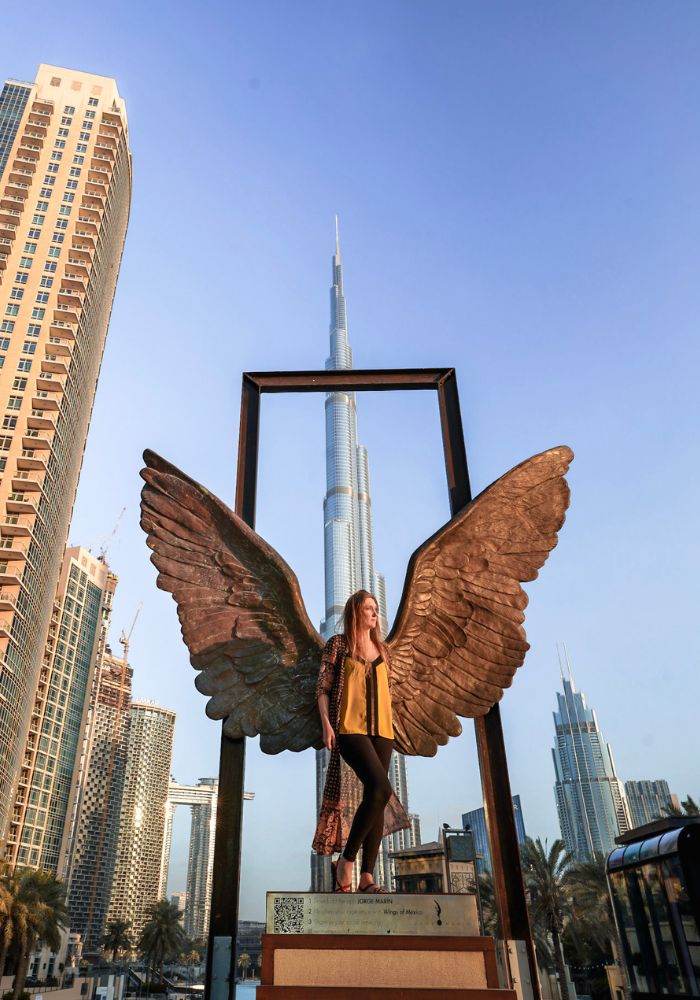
pixel 351 621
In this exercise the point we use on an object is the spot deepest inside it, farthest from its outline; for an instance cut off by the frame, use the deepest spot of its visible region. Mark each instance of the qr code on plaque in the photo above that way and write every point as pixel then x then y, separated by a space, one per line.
pixel 289 915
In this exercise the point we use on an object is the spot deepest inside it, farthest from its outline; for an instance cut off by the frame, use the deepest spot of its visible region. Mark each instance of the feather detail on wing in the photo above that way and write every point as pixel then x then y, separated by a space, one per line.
pixel 459 637
pixel 241 612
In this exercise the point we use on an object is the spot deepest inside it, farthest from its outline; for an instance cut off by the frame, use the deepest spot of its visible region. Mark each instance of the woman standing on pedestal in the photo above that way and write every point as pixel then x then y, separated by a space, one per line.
pixel 354 700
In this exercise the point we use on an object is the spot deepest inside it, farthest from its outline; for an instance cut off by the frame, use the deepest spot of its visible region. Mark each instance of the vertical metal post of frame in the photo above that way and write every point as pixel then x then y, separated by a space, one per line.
pixel 223 924
pixel 509 888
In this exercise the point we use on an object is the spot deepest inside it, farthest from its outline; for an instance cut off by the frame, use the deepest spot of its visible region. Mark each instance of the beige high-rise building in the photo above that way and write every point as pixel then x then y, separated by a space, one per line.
pixel 65 191
pixel 77 635
pixel 137 874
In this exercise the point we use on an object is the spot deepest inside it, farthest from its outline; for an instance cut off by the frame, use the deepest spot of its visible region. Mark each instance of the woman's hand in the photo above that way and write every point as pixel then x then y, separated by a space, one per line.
pixel 328 735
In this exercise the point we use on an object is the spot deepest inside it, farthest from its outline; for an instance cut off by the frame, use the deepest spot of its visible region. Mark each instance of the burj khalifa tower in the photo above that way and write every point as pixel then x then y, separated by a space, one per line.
pixel 349 555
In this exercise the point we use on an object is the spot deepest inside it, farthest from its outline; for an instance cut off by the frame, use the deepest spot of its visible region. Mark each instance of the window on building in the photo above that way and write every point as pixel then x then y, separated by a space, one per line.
pixel 60 143
pixel 29 347
pixel 30 247
pixel 38 313
pixel 26 262
pixel 54 251
pixel 7 326
pixel 56 156
pixel 46 282
pixel 46 192
pixel 52 168
pixel 20 384
pixel 9 422
pixel 51 266
pixel 38 220
pixel 49 180
pixel 85 136
pixel 89 114
pixel 12 309
pixel 68 110
pixel 78 159
pixel 17 293
pixel 33 330
pixel 81 147
pixel 61 223
pixel 21 278
pixel 66 121
pixel 57 238
pixel 4 343
pixel 42 206
pixel 65 210
pixel 24 365
pixel 75 171
pixel 69 197
pixel 63 131
pixel 93 102
pixel 5 442
pixel 71 185
pixel 34 234
pixel 42 296
pixel 14 403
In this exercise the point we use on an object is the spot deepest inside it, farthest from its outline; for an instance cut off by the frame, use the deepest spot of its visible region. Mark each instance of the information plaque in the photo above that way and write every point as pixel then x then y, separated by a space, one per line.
pixel 352 913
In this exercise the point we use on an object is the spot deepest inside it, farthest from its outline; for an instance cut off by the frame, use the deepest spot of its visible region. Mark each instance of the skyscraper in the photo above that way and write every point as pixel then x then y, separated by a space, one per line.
pixel 202 799
pixel 137 872
pixel 76 637
pixel 348 550
pixel 649 800
pixel 65 189
pixel 475 820
pixel 590 798
pixel 90 853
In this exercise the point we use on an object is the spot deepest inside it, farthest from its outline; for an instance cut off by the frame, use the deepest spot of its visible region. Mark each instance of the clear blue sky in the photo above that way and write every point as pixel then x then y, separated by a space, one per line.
pixel 518 192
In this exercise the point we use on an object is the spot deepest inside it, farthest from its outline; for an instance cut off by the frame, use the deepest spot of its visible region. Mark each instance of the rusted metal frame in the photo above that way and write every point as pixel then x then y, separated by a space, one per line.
pixel 508 880
pixel 509 888
pixel 350 380
pixel 223 923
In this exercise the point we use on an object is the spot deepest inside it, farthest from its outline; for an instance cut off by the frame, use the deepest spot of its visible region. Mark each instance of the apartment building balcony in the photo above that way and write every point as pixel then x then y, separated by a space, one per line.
pixel 88 225
pixel 37 120
pixel 76 282
pixel 3 260
pixel 36 440
pixel 54 345
pixel 67 313
pixel 5 631
pixel 70 297
pixel 111 119
pixel 29 461
pixel 60 328
pixel 29 150
pixel 53 364
pixel 8 231
pixel 98 183
pixel 35 134
pixel 15 201
pixel 24 164
pixel 78 266
pixel 19 503
pixel 10 215
pixel 39 420
pixel 42 107
pixel 91 213
pixel 48 381
pixel 10 548
pixel 13 524
pixel 8 599
pixel 80 249
pixel 101 165
pixel 41 400
pixel 106 134
pixel 17 187
pixel 104 149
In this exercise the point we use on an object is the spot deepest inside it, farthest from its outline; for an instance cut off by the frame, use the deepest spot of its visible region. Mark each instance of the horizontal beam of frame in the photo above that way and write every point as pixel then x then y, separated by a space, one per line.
pixel 350 380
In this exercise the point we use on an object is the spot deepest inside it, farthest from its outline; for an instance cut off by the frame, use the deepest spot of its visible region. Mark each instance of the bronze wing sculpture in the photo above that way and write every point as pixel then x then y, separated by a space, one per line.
pixel 458 637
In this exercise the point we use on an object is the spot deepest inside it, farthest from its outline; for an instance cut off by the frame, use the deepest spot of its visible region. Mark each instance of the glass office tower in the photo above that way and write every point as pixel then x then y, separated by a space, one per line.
pixel 589 795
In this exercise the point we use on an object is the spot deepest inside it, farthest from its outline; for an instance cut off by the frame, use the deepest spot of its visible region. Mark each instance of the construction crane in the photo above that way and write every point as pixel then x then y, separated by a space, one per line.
pixel 124 639
pixel 105 545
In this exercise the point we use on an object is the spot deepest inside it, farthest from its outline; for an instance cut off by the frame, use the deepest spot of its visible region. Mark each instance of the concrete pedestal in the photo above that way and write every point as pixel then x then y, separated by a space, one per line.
pixel 399 946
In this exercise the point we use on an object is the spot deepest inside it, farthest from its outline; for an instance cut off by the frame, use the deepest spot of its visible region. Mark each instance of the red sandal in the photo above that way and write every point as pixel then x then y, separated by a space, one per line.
pixel 337 887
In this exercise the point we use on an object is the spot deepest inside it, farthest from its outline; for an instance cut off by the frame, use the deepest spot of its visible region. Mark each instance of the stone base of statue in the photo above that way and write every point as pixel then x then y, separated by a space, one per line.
pixel 336 946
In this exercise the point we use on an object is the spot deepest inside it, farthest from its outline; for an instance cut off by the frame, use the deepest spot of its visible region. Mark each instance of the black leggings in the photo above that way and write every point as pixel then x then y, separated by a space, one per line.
pixel 369 758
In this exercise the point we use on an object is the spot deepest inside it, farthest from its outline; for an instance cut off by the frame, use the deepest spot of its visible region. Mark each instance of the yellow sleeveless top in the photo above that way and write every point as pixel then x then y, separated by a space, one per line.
pixel 365 708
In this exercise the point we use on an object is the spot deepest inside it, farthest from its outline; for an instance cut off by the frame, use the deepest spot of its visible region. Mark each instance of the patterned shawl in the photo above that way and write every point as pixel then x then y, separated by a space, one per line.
pixel 338 804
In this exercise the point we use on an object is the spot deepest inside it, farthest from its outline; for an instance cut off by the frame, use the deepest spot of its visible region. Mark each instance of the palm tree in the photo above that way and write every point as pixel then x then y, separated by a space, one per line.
pixel 689 807
pixel 489 915
pixel 117 937
pixel 545 879
pixel 34 908
pixel 5 921
pixel 587 884
pixel 162 937
pixel 244 962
